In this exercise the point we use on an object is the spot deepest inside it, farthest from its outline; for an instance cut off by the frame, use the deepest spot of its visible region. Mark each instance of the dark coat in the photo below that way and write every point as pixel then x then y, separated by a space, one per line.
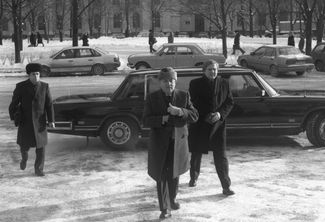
pixel 155 109
pixel 208 98
pixel 236 39
pixel 37 109
pixel 152 40
pixel 291 40
pixel 171 38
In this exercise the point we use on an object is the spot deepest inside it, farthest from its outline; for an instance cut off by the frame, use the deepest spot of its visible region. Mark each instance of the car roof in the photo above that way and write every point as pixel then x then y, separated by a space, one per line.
pixel 181 44
pixel 278 46
pixel 223 70
pixel 78 47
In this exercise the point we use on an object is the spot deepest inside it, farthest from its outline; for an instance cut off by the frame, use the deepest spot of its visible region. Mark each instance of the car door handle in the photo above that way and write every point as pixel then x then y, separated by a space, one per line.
pixel 70 60
pixel 90 60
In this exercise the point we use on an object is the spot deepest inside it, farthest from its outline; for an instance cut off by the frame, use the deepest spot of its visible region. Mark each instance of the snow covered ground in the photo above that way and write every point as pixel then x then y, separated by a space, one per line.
pixel 275 179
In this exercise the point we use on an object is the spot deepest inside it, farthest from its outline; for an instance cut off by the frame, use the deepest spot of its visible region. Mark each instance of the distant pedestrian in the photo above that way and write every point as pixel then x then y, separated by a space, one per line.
pixel 236 45
pixel 32 39
pixel 152 41
pixel 39 39
pixel 291 39
pixel 171 37
pixel 84 39
pixel 301 43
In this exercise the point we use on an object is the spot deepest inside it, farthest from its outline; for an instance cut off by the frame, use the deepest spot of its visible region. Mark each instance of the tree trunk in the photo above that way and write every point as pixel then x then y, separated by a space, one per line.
pixel 224 29
pixel 308 30
pixel 320 25
pixel 251 25
pixel 74 22
pixel 16 31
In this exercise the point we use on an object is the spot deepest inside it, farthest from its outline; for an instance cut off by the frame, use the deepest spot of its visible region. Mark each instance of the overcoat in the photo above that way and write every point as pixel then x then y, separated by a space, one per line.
pixel 37 108
pixel 155 109
pixel 209 97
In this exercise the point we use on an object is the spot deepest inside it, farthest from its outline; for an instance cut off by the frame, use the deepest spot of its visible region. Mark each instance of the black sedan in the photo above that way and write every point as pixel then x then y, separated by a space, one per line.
pixel 259 109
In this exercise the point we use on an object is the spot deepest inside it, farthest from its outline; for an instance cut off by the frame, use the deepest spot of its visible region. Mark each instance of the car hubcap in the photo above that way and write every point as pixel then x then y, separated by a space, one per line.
pixel 98 70
pixel 118 133
pixel 322 130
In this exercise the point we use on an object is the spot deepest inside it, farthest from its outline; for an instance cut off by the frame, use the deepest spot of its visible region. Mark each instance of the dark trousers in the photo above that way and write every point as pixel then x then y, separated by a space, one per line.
pixel 151 48
pixel 220 162
pixel 235 47
pixel 167 187
pixel 40 157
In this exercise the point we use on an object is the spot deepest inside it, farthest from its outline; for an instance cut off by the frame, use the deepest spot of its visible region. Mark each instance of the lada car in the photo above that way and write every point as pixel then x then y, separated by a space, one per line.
pixel 277 59
pixel 83 59
pixel 259 108
pixel 175 55
pixel 318 55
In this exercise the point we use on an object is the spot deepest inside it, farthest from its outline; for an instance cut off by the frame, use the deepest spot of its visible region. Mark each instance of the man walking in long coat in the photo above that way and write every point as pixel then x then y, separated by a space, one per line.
pixel 167 112
pixel 31 108
pixel 212 97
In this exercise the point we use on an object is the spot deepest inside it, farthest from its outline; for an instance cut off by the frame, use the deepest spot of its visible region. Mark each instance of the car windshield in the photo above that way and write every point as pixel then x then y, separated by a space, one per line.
pixel 289 51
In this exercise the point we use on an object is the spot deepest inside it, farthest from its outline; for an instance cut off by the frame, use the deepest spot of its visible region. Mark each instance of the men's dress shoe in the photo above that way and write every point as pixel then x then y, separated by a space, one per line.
pixel 228 192
pixel 23 164
pixel 175 205
pixel 192 183
pixel 165 214
pixel 39 173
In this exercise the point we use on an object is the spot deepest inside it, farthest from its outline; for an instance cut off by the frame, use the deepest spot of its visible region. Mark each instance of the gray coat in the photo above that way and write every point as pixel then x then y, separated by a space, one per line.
pixel 37 109
pixel 155 109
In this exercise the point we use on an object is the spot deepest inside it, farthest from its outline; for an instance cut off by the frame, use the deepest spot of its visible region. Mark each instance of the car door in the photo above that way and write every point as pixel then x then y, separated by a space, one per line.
pixel 165 57
pixel 184 57
pixel 63 62
pixel 84 60
pixel 267 59
pixel 255 57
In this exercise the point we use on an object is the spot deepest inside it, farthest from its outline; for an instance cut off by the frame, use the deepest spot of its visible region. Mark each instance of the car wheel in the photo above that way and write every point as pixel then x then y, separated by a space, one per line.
pixel 243 63
pixel 300 73
pixel 98 69
pixel 45 71
pixel 274 71
pixel 319 65
pixel 315 129
pixel 141 66
pixel 120 133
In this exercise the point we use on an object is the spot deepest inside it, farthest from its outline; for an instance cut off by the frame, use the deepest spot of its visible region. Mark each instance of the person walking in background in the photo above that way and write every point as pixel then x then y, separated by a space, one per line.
pixel 152 41
pixel 212 97
pixel 291 39
pixel 31 107
pixel 84 39
pixel 301 43
pixel 39 39
pixel 171 37
pixel 236 45
pixel 167 112
pixel 32 39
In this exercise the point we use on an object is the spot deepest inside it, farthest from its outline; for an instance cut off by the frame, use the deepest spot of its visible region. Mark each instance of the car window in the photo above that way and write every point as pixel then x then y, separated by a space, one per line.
pixel 289 51
pixel 269 52
pixel 169 50
pixel 66 54
pixel 244 86
pixel 182 50
pixel 260 51
pixel 133 89
pixel 80 53
pixel 320 48
pixel 95 53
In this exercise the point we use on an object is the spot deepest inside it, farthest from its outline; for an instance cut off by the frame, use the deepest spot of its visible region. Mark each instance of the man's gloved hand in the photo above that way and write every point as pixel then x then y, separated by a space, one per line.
pixel 212 117
pixel 174 110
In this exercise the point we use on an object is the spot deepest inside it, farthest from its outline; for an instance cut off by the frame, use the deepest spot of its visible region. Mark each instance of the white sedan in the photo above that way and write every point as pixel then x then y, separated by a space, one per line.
pixel 79 60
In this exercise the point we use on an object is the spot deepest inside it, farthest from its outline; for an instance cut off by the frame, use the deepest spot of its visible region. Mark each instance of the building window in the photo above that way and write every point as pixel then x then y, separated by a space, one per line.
pixel 41 22
pixel 136 2
pixel 59 22
pixel 4 23
pixel 97 21
pixel 136 20
pixel 117 20
pixel 116 2
pixel 157 20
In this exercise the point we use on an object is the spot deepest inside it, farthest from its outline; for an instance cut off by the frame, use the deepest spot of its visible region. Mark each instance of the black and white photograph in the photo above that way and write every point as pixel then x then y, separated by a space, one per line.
pixel 162 110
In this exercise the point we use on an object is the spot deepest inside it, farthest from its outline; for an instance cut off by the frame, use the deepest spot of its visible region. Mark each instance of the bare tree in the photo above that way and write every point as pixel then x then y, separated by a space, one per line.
pixel 320 17
pixel 60 13
pixel 156 7
pixel 273 8
pixel 1 15
pixel 307 9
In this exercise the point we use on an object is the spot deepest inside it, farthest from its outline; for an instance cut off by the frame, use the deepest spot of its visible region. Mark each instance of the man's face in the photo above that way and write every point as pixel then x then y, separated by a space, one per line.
pixel 211 71
pixel 34 77
pixel 167 85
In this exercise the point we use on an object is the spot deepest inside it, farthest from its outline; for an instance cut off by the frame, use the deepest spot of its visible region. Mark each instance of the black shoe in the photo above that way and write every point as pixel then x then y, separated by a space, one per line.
pixel 39 173
pixel 165 214
pixel 228 192
pixel 175 205
pixel 192 183
pixel 23 164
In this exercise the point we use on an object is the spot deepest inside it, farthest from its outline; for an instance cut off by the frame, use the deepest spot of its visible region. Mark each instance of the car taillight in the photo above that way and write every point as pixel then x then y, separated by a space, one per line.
pixel 290 61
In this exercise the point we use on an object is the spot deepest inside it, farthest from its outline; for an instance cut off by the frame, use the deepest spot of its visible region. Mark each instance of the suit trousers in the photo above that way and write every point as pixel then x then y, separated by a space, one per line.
pixel 220 162
pixel 40 157
pixel 167 187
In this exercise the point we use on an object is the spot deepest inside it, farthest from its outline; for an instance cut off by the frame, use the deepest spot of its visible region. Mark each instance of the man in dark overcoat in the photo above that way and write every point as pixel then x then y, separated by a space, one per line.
pixel 212 97
pixel 167 112
pixel 152 40
pixel 31 108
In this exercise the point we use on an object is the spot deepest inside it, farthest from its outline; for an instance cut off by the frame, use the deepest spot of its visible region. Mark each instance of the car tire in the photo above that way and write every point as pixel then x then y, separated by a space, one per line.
pixel 98 69
pixel 300 73
pixel 120 133
pixel 46 71
pixel 274 71
pixel 319 66
pixel 243 63
pixel 141 66
pixel 315 129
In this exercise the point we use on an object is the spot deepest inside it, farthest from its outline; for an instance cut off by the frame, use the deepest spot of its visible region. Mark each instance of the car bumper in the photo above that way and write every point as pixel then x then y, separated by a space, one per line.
pixel 296 68
pixel 112 66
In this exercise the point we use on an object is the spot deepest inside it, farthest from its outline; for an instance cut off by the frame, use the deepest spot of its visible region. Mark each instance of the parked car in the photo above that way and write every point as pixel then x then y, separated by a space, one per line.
pixel 82 59
pixel 259 109
pixel 276 59
pixel 318 55
pixel 174 55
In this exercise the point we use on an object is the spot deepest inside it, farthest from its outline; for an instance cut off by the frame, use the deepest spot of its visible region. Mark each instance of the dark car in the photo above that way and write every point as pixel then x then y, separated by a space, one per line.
pixel 259 109
pixel 318 54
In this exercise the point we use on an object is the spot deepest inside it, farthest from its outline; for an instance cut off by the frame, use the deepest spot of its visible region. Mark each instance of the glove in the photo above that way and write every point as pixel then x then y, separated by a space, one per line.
pixel 174 110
